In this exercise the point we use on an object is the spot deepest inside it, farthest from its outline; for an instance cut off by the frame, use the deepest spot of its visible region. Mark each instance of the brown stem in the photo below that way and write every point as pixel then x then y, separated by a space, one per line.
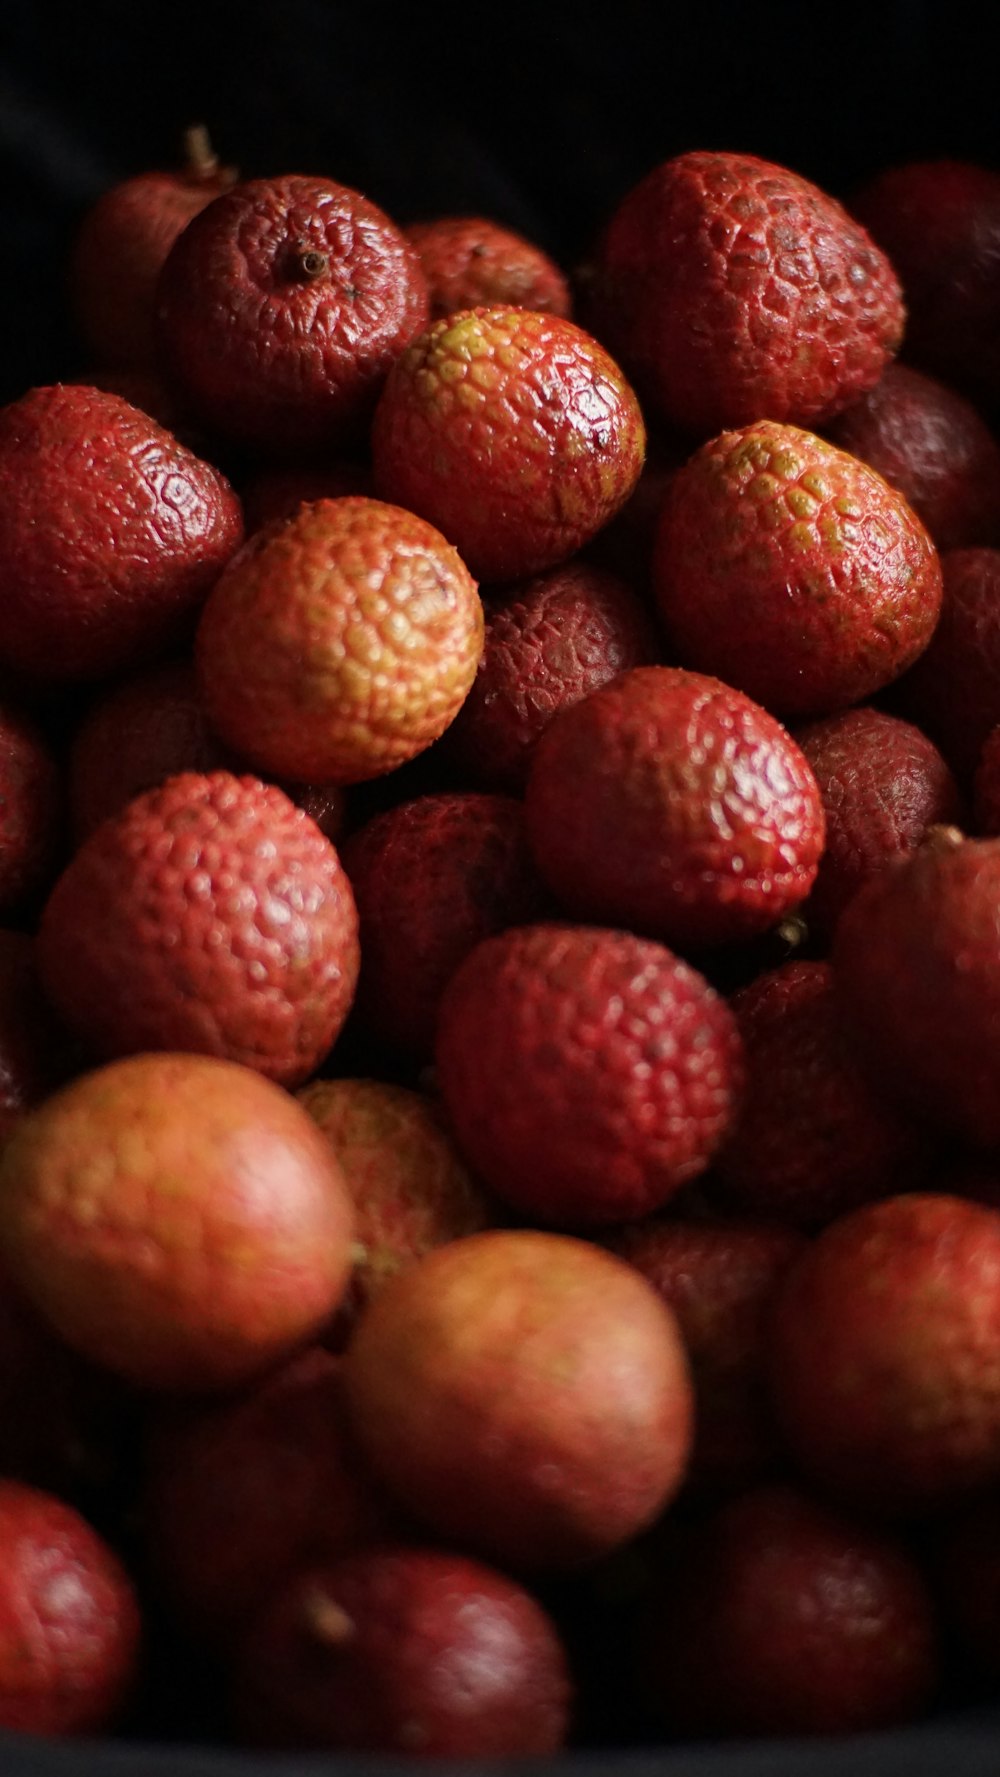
pixel 941 836
pixel 201 163
pixel 326 1619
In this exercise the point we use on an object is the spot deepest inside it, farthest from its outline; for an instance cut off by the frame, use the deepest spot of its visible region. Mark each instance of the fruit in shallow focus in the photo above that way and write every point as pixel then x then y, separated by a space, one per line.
pixel 514 432
pixel 882 1359
pixel 210 915
pixel 405 1650
pixel 176 1218
pixel 341 643
pixel 734 290
pixel 587 1073
pixel 672 804
pixel 525 1395
pixel 111 533
pixel 69 1619
pixel 280 309
pixel 471 262
pixel 792 570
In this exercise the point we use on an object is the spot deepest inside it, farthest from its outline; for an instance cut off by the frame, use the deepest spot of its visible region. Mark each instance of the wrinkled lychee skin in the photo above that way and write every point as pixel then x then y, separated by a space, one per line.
pixel 587 1073
pixel 69 1619
pixel 31 809
pixel 514 432
pixel 939 222
pixel 916 959
pixel 719 1277
pixel 472 262
pixel 340 644
pixel 209 915
pixel 405 1650
pixel 111 533
pixel 672 804
pixel 281 307
pixel 177 1219
pixel 239 1492
pixel 814 1138
pixel 793 571
pixel 953 690
pixel 849 1642
pixel 883 1354
pixel 931 444
pixel 883 783
pixel 548 642
pixel 431 878
pixel 734 290
pixel 524 1394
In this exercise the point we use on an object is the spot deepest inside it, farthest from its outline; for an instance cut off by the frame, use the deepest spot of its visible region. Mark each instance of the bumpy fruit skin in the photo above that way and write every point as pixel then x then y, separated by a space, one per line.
pixel 793 570
pixel 281 307
pixel 931 444
pixel 431 878
pixel 525 1395
pixel 672 804
pixel 734 290
pixel 111 533
pixel 587 1073
pixel 405 1650
pixel 916 958
pixel 177 1219
pixel 814 1137
pixel 953 690
pixel 341 643
pixel 514 432
pixel 548 642
pixel 848 1642
pixel 472 262
pixel 210 915
pixel 69 1619
pixel 883 1354
pixel 31 809
pixel 883 783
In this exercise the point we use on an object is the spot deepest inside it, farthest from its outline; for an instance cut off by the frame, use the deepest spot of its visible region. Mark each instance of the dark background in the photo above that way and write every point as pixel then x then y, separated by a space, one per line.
pixel 540 117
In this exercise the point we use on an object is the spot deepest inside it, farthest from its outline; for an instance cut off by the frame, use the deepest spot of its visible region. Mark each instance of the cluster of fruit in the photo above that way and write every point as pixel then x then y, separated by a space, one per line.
pixel 500 992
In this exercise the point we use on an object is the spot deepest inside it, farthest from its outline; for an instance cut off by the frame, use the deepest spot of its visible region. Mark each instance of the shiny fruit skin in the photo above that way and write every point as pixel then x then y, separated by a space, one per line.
pixel 514 432
pixel 883 1364
pixel 587 1073
pixel 734 290
pixel 111 533
pixel 281 307
pixel 210 915
pixel 671 804
pixel 472 262
pixel 523 1394
pixel 794 571
pixel 341 642
pixel 177 1219
pixel 69 1619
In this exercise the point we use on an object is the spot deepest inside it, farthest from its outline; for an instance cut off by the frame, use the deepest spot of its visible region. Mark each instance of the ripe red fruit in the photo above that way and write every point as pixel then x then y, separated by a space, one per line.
pixel 588 1074
pixel 734 290
pixel 953 690
pixel 525 1395
pixel 120 248
pixel 882 783
pixel 793 570
pixel 405 1650
pixel 548 642
pixel 846 1641
pixel 177 1219
pixel 883 1354
pixel 111 533
pixel 814 1138
pixel 916 960
pixel 239 1493
pixel 31 810
pixel 281 307
pixel 431 878
pixel 514 432
pixel 471 262
pixel 210 915
pixel 69 1619
pixel 672 804
pixel 930 444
